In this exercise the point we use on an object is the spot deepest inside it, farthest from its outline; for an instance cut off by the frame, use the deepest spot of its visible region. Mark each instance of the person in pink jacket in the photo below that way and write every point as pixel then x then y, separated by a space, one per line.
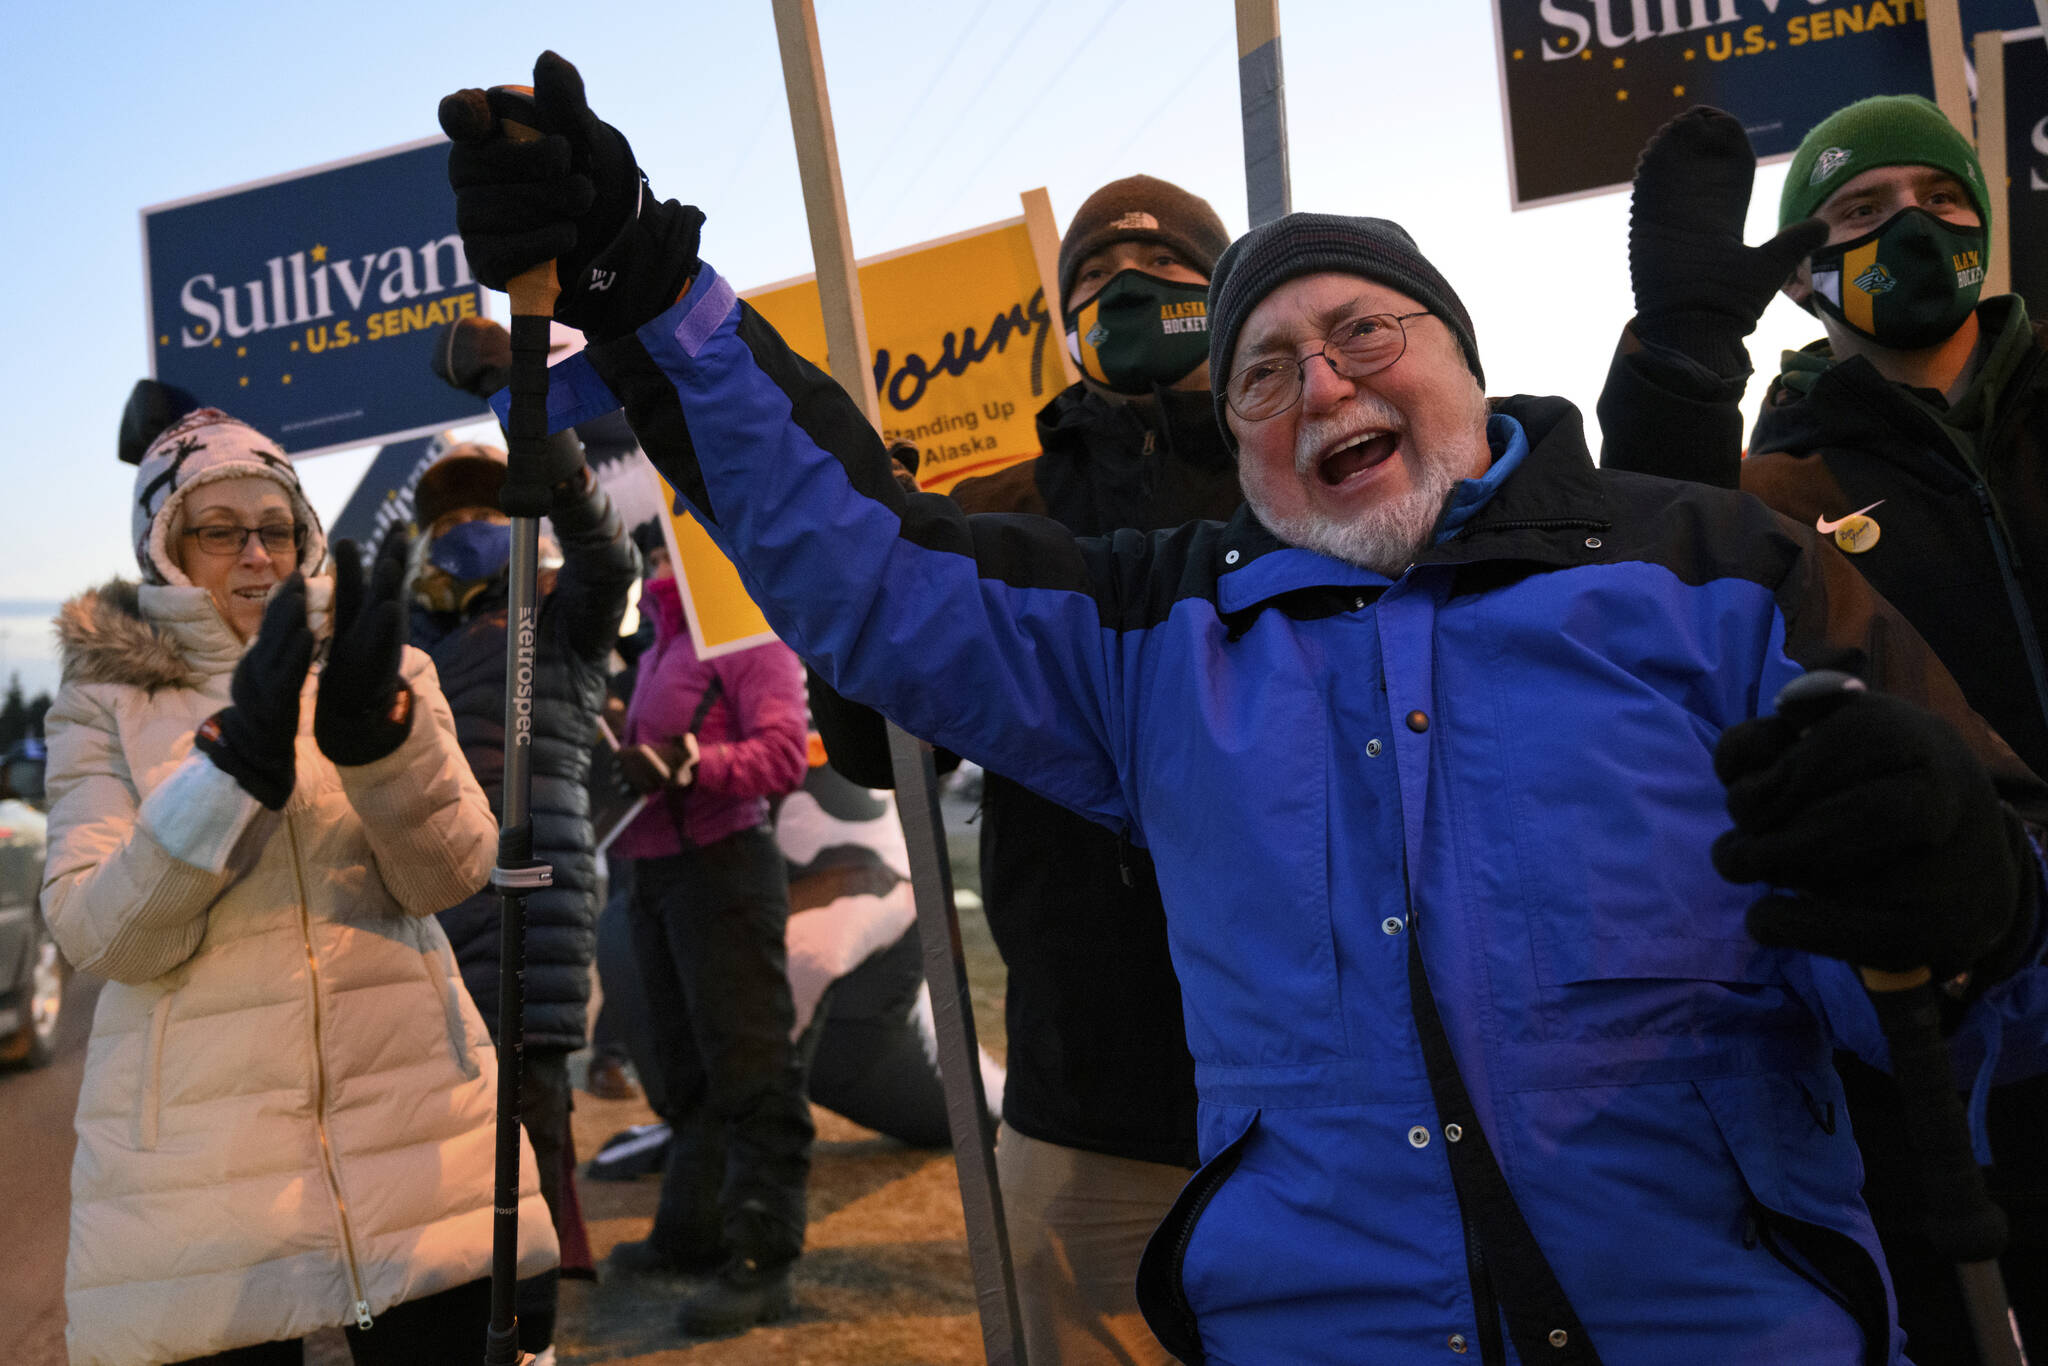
pixel 710 741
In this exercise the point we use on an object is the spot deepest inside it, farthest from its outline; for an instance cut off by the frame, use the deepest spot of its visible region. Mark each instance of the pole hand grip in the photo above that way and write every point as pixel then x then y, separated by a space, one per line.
pixel 508 111
pixel 1960 1218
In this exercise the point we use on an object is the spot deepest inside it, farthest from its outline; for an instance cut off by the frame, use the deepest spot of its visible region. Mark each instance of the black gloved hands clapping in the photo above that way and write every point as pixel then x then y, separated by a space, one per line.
pixel 1888 834
pixel 253 741
pixel 364 708
pixel 574 196
pixel 1699 290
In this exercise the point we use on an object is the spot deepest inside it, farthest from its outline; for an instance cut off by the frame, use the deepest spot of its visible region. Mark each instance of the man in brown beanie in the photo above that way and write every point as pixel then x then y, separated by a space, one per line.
pixel 1502 1035
pixel 1098 1132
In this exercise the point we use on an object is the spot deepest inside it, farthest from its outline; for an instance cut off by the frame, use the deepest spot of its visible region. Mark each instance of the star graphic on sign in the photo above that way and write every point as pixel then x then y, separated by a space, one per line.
pixel 319 253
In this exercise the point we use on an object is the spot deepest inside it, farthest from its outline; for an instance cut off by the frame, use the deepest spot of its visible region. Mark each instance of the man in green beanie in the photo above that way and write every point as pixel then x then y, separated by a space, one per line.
pixel 1915 436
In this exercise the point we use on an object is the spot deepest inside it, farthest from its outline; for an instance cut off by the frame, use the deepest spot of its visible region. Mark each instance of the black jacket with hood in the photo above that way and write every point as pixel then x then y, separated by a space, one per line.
pixel 578 624
pixel 1960 496
pixel 1098 1055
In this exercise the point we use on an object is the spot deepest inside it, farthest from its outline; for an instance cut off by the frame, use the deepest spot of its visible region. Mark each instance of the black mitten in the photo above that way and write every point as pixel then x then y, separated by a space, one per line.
pixel 253 740
pixel 575 196
pixel 1888 834
pixel 364 709
pixel 1699 290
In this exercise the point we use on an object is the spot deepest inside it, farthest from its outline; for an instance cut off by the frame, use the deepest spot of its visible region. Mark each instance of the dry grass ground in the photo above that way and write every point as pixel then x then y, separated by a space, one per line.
pixel 885 1279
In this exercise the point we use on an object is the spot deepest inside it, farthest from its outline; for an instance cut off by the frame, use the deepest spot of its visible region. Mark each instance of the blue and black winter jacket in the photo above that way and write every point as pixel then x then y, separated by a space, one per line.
pixel 1497 766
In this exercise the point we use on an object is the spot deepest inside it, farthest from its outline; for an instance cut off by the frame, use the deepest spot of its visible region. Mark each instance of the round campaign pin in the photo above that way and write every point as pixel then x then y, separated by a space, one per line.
pixel 1857 534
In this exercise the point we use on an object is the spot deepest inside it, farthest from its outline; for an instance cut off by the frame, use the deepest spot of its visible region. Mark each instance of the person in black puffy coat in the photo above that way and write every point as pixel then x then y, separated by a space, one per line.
pixel 458 618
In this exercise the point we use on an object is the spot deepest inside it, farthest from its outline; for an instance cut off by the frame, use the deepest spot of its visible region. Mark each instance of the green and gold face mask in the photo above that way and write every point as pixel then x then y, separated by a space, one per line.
pixel 1907 285
pixel 1140 331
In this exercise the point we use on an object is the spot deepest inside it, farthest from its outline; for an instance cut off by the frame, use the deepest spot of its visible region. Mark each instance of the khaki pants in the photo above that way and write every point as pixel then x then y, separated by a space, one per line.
pixel 1078 1223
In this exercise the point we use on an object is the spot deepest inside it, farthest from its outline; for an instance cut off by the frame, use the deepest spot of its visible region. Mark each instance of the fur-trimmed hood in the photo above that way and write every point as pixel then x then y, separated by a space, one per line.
pixel 105 639
pixel 153 636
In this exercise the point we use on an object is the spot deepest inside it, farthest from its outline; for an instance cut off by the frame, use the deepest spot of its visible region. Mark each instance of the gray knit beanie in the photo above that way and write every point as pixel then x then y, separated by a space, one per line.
pixel 198 449
pixel 1307 244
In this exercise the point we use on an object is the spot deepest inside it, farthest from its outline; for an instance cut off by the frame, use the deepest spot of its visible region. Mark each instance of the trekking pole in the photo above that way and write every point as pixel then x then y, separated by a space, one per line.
pixel 1961 1220
pixel 469 115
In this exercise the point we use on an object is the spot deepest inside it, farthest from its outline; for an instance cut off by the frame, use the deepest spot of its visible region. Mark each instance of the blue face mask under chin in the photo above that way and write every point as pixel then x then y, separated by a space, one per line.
pixel 472 550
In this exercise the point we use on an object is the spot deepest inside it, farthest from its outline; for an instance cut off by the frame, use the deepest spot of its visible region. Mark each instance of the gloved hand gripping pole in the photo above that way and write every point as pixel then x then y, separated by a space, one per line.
pixel 1962 1221
pixel 470 115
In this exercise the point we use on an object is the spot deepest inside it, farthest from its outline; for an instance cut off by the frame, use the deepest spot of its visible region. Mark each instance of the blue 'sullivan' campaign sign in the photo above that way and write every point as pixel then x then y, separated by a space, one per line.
pixel 1584 83
pixel 306 304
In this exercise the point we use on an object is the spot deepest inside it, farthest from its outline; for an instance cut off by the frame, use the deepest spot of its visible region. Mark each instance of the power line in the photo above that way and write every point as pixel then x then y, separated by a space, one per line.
pixel 924 97
pixel 1031 107
pixel 1116 158
pixel 958 124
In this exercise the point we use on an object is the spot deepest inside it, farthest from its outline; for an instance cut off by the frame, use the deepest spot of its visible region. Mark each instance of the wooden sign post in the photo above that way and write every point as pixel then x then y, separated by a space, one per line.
pixel 1990 54
pixel 1951 64
pixel 1262 98
pixel 1045 249
pixel 917 799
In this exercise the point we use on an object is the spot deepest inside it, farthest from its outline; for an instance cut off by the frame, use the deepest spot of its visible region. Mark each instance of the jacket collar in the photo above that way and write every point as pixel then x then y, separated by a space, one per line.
pixel 1145 464
pixel 1540 515
pixel 157 635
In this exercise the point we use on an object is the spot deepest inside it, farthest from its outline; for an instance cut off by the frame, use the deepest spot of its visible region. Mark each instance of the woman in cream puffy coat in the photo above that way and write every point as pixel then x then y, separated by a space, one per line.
pixel 286 1121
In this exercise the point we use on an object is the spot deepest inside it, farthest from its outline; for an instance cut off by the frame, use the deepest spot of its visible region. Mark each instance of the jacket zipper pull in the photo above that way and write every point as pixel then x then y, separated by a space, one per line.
pixel 363 1315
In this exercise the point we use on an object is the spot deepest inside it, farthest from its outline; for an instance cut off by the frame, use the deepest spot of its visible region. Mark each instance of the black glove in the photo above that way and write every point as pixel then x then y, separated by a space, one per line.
pixel 364 709
pixel 574 196
pixel 1890 835
pixel 1699 290
pixel 253 740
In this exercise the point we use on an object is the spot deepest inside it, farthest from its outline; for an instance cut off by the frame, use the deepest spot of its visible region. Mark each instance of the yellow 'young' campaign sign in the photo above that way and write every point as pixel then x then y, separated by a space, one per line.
pixel 965 350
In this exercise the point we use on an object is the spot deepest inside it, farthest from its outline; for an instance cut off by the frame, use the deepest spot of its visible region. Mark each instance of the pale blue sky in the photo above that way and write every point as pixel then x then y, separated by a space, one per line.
pixel 943 115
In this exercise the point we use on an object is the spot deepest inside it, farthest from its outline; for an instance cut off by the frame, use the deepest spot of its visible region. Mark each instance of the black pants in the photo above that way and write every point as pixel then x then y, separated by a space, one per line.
pixel 609 1032
pixel 708 932
pixel 870 1062
pixel 544 1104
pixel 447 1327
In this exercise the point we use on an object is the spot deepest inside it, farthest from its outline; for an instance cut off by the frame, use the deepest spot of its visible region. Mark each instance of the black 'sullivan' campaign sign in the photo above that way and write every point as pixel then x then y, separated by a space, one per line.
pixel 306 304
pixel 1584 83
pixel 2026 166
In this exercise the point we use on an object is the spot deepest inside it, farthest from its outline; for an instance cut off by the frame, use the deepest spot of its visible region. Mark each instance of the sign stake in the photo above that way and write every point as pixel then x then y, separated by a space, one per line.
pixel 938 923
pixel 1044 232
pixel 1951 64
pixel 1990 54
pixel 1262 98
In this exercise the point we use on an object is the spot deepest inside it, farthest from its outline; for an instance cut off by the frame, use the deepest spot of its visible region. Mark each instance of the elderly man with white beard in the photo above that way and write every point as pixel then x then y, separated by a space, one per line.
pixel 1504 1038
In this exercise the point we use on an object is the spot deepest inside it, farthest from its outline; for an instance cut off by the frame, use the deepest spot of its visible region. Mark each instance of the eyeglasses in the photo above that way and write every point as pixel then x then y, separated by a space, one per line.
pixel 1357 348
pixel 277 538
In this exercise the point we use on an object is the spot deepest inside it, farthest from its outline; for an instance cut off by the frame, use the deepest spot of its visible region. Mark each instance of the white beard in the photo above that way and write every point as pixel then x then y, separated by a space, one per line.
pixel 1384 537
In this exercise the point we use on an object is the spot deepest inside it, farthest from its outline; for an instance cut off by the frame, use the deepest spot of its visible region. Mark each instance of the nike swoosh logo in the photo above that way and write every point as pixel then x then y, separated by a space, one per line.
pixel 1827 528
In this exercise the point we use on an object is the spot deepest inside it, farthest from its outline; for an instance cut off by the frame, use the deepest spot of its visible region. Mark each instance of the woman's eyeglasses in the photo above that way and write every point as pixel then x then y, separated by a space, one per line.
pixel 277 538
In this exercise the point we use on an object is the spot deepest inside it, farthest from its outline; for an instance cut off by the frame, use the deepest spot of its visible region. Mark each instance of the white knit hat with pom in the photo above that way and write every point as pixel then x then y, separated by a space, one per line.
pixel 197 449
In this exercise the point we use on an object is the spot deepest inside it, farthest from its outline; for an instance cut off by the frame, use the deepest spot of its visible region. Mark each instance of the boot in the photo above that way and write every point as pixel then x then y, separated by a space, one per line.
pixel 642 1258
pixel 745 1293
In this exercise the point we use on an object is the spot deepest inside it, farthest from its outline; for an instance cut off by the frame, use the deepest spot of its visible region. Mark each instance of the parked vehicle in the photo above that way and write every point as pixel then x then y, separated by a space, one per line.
pixel 32 974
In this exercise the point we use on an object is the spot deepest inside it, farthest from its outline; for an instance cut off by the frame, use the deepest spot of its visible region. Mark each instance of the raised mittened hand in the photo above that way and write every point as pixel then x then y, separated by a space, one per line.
pixel 254 740
pixel 364 709
pixel 1887 834
pixel 1699 290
